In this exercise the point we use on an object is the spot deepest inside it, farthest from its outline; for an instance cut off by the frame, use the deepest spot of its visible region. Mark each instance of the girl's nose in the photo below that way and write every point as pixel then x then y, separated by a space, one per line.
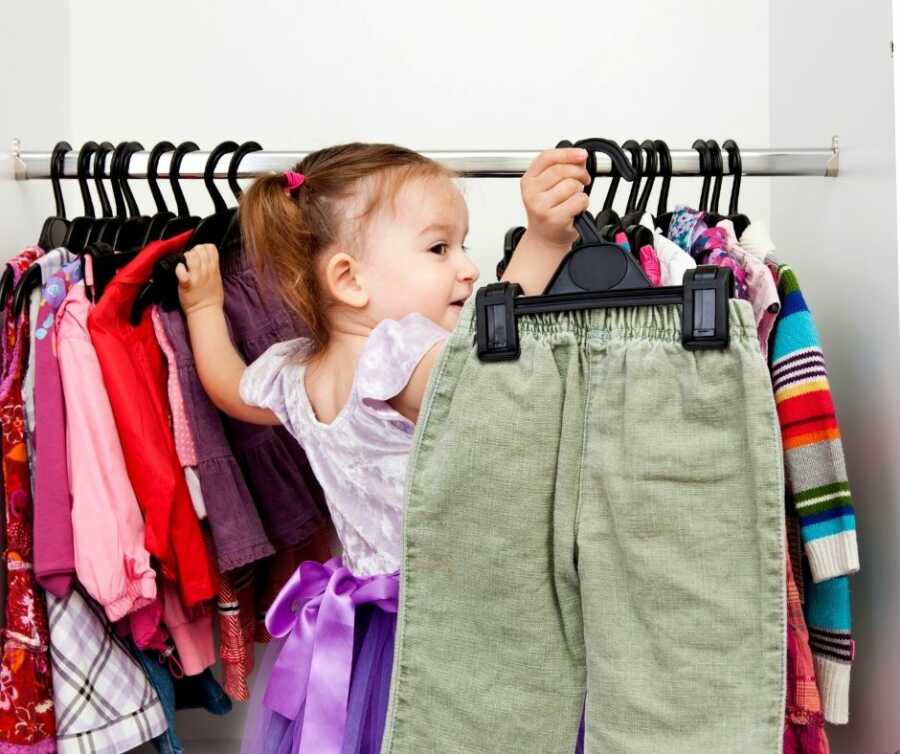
pixel 469 271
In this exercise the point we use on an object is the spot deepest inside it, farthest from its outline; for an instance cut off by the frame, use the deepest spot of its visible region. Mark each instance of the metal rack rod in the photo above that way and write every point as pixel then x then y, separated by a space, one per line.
pixel 29 165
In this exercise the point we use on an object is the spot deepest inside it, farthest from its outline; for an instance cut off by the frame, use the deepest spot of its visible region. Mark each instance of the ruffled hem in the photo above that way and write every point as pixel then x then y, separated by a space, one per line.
pixel 138 594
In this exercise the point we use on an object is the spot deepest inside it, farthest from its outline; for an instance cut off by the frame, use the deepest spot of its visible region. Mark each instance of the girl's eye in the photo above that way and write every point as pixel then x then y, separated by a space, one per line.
pixel 439 248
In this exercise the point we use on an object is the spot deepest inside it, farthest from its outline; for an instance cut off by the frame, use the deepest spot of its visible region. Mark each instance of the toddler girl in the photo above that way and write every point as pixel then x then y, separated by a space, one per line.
pixel 365 244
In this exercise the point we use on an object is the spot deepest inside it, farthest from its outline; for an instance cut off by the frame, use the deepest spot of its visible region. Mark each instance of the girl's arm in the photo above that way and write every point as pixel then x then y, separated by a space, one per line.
pixel 553 194
pixel 219 365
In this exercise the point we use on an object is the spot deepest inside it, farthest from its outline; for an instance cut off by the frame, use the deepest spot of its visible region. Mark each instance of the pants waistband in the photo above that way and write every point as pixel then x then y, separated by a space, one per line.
pixel 661 323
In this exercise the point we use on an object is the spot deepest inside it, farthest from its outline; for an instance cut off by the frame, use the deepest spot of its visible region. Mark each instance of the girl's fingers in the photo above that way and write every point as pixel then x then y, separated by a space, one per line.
pixel 559 172
pixel 550 156
pixel 561 192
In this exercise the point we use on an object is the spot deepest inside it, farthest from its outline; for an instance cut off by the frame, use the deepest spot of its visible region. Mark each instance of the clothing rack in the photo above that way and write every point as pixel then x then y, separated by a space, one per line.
pixel 31 165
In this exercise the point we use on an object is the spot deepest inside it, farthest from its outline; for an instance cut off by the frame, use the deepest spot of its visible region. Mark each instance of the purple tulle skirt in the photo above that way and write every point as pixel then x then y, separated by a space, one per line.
pixel 267 732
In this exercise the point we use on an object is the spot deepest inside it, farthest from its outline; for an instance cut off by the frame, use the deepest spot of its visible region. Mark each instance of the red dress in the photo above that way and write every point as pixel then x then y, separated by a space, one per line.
pixel 134 373
pixel 27 721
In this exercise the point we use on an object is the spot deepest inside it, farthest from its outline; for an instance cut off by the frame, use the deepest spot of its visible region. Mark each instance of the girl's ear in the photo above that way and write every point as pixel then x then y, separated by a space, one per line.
pixel 343 282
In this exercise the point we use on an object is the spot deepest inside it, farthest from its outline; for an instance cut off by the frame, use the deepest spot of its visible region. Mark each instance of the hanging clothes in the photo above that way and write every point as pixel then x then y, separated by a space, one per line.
pixel 54 548
pixel 287 494
pixel 135 379
pixel 121 709
pixel 233 518
pixel 115 570
pixel 818 489
pixel 27 722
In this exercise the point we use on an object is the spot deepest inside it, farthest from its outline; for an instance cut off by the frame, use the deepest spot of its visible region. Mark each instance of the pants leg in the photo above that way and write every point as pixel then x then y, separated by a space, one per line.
pixel 490 653
pixel 681 542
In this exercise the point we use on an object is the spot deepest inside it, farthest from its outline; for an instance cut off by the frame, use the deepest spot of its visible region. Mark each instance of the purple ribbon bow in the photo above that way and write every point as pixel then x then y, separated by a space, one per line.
pixel 316 612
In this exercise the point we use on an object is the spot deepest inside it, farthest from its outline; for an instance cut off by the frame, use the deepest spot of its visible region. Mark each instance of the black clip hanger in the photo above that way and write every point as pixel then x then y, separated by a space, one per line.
pixel 735 167
pixel 705 171
pixel 637 162
pixel 213 229
pixel 703 298
pixel 663 216
pixel 130 234
pixel 595 265
pixel 162 216
pixel 80 228
pixel 621 168
pixel 184 220
pixel 106 214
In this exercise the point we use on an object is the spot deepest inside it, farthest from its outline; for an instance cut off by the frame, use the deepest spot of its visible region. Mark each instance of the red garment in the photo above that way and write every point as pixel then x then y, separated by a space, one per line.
pixel 27 719
pixel 134 373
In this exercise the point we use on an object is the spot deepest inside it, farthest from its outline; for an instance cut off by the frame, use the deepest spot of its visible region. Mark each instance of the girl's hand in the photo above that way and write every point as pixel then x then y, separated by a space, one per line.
pixel 553 193
pixel 199 283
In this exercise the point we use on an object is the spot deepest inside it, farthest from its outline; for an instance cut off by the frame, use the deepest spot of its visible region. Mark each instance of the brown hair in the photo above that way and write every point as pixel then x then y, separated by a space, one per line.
pixel 284 233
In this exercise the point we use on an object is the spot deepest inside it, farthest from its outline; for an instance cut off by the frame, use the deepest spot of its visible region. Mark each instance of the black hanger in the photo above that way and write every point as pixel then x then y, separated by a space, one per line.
pixel 607 215
pixel 213 229
pixel 633 218
pixel 184 220
pixel 80 228
pixel 619 162
pixel 99 174
pixel 54 230
pixel 735 167
pixel 637 162
pixel 130 234
pixel 595 264
pixel 715 154
pixel 232 236
pixel 112 225
pixel 705 171
pixel 75 239
pixel 158 221
pixel 55 227
pixel 663 216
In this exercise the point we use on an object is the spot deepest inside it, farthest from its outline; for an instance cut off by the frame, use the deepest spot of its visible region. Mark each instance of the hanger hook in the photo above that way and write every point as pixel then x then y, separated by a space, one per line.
pixel 637 162
pixel 57 163
pixel 153 173
pixel 715 154
pixel 103 149
pixel 209 174
pixel 234 165
pixel 665 169
pixel 175 175
pixel 736 168
pixel 127 154
pixel 651 166
pixel 705 171
pixel 84 161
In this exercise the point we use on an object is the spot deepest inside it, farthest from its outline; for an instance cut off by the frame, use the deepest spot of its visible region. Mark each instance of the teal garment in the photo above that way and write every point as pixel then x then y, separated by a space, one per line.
pixel 604 515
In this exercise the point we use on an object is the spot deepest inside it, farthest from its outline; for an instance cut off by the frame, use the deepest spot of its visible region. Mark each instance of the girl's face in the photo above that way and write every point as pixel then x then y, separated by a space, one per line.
pixel 414 259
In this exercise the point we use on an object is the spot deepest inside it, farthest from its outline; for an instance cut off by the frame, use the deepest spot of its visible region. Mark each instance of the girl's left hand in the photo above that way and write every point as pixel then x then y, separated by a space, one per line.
pixel 553 193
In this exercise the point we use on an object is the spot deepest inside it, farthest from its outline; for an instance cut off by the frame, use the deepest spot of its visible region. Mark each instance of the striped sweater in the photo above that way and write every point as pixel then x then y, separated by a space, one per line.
pixel 817 488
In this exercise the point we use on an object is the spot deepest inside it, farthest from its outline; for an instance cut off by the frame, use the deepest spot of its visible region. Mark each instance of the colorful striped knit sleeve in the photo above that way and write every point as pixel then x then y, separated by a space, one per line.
pixel 813 453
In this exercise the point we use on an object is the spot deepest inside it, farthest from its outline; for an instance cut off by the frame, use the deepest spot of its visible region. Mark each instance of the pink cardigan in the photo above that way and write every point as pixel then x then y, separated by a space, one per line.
pixel 110 558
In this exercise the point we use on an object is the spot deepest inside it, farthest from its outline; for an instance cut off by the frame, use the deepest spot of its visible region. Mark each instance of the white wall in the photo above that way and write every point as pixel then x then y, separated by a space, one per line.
pixel 832 73
pixel 35 105
pixel 468 75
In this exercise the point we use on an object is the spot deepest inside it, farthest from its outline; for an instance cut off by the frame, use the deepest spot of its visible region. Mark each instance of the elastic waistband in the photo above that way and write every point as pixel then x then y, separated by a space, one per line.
pixel 622 323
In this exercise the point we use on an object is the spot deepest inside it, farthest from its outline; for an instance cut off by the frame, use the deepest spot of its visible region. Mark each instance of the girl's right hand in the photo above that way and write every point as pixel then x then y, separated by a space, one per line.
pixel 199 281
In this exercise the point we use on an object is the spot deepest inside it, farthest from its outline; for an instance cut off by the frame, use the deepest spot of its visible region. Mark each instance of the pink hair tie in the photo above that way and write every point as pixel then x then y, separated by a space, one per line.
pixel 292 181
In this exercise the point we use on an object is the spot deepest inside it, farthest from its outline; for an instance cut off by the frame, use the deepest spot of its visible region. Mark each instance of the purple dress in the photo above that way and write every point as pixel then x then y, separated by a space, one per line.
pixel 323 685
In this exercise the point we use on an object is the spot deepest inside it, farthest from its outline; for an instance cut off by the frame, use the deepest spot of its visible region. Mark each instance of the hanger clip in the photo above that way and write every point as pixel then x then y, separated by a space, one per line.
pixel 495 322
pixel 705 313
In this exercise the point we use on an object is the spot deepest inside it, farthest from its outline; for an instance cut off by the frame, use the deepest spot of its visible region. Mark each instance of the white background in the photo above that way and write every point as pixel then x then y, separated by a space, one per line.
pixel 301 75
